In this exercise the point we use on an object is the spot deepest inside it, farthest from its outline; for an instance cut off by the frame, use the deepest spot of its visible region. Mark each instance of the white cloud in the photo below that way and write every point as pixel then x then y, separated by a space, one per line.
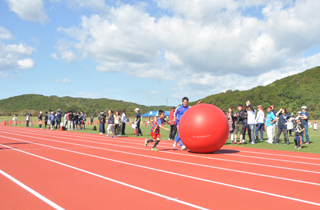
pixel 26 63
pixel 5 33
pixel 199 46
pixel 54 56
pixel 69 56
pixel 31 10
pixel 15 56
pixel 65 80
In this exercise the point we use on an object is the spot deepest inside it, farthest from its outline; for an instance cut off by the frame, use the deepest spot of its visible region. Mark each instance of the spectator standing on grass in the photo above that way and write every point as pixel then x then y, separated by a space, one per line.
pixel 239 116
pixel 81 118
pixel 70 120
pixel 304 119
pixel 245 126
pixel 117 123
pixel 91 120
pixel 315 124
pixel 298 133
pixel 230 119
pixel 271 118
pixel 110 128
pixel 52 119
pixel 65 119
pixel 290 124
pixel 260 122
pixel 283 118
pixel 173 124
pixel 40 119
pixel 46 118
pixel 137 121
pixel 59 114
pixel 75 120
pixel 251 115
pixel 274 130
pixel 102 120
pixel 27 119
pixel 14 119
pixel 123 121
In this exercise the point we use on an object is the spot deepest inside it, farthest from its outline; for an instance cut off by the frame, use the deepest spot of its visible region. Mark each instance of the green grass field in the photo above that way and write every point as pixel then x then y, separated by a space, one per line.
pixel 313 147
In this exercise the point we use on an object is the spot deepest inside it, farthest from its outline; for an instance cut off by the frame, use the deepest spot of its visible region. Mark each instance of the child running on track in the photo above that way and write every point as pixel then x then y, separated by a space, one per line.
pixel 177 116
pixel 155 131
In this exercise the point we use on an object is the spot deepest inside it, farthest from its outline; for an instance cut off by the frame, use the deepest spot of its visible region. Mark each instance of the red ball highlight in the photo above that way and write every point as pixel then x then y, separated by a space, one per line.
pixel 204 128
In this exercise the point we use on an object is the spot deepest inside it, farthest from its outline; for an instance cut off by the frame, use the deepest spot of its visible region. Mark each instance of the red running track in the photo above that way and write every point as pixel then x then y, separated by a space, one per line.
pixel 44 169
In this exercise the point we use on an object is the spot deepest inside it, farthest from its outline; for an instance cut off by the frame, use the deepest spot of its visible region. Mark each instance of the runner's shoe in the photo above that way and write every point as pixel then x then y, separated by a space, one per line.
pixel 146 142
pixel 174 144
pixel 154 149
pixel 183 147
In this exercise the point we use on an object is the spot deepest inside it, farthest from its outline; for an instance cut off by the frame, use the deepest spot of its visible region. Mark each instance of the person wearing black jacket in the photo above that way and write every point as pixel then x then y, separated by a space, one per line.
pixel 70 121
pixel 239 116
pixel 46 118
pixel 102 120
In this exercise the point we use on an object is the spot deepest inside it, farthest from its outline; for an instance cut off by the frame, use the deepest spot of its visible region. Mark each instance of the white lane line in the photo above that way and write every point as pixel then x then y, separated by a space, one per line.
pixel 129 142
pixel 41 197
pixel 107 178
pixel 211 158
pixel 159 170
pixel 171 160
pixel 73 134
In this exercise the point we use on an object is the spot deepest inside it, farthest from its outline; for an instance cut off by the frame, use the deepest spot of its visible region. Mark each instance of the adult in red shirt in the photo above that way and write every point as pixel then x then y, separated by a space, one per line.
pixel 173 124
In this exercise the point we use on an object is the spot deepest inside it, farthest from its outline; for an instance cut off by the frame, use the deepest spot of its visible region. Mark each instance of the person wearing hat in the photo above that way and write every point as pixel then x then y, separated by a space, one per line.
pixel 102 120
pixel 137 121
pixel 40 119
pixel 304 115
pixel 271 118
pixel 260 122
pixel 173 124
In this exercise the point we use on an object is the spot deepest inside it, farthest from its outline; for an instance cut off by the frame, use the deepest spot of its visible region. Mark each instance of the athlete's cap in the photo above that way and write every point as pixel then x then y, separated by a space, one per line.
pixel 259 106
pixel 136 109
pixel 269 107
pixel 291 114
pixel 272 106
pixel 240 105
pixel 173 107
pixel 101 111
pixel 303 107
pixel 299 112
pixel 230 108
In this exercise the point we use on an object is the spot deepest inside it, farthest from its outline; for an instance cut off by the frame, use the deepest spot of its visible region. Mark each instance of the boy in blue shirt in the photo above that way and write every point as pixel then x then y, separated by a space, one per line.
pixel 177 116
pixel 155 131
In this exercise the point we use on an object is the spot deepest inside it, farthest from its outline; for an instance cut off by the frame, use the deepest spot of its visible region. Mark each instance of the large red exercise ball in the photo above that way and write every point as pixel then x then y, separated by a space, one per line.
pixel 204 128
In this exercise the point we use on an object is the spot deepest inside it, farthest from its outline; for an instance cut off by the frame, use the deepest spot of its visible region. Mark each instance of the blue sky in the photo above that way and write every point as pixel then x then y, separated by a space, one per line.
pixel 152 51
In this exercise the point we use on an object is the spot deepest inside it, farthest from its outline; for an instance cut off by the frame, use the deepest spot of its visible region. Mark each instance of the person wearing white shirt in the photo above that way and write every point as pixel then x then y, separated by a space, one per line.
pixel 260 122
pixel 14 119
pixel 251 114
pixel 124 121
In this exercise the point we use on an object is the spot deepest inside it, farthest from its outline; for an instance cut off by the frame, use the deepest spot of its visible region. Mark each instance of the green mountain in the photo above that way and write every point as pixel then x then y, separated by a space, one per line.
pixel 32 103
pixel 292 92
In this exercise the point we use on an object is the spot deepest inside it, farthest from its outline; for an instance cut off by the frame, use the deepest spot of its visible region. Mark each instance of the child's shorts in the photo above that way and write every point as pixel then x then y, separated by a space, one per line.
pixel 155 136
